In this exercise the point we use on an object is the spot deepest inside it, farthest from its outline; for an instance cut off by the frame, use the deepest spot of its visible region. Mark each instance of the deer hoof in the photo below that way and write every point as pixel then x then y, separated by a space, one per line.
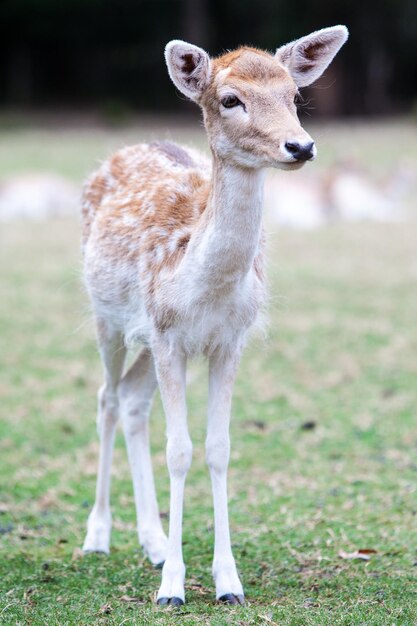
pixel 170 601
pixel 231 598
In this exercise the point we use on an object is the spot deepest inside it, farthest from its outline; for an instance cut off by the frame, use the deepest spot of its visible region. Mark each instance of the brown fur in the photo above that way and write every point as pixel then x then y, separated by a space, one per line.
pixel 250 65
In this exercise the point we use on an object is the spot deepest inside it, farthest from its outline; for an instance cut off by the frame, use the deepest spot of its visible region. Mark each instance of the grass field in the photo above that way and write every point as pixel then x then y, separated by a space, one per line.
pixel 324 432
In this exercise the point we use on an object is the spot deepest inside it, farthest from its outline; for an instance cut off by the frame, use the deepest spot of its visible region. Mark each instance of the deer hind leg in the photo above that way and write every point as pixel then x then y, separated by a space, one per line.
pixel 221 379
pixel 136 391
pixel 171 378
pixel 113 354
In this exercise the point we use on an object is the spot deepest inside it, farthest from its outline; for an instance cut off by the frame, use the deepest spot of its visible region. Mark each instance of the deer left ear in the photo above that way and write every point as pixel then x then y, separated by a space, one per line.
pixel 189 68
pixel 307 58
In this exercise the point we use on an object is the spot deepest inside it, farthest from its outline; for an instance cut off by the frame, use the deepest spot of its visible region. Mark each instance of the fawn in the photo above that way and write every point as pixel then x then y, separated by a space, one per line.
pixel 174 259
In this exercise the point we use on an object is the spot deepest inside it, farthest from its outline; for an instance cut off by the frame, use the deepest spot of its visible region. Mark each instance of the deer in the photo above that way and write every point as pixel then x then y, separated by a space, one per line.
pixel 174 249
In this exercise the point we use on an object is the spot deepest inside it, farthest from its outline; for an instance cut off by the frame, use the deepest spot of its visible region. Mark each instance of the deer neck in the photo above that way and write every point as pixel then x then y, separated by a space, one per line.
pixel 227 238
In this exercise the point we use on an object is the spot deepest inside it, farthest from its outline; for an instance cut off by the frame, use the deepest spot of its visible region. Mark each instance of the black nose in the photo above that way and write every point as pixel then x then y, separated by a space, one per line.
pixel 299 152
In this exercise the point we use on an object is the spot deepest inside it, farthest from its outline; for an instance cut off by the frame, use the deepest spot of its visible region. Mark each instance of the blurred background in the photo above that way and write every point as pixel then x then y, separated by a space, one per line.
pixel 108 54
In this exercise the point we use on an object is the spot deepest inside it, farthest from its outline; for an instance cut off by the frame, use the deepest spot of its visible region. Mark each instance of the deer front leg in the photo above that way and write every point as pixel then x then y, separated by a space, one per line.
pixel 221 379
pixel 170 369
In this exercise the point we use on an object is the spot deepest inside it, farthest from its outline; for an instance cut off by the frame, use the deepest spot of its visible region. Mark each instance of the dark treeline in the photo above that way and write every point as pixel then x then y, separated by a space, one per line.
pixel 70 53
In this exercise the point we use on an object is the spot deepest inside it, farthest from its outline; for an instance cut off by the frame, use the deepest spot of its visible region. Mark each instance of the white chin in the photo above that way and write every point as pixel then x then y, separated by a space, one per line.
pixel 289 165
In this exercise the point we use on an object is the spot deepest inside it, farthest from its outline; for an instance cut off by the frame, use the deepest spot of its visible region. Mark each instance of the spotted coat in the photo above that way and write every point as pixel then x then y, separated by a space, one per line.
pixel 140 210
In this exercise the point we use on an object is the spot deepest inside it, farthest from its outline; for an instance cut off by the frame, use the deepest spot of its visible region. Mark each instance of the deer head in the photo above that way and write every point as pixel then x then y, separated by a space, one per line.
pixel 248 96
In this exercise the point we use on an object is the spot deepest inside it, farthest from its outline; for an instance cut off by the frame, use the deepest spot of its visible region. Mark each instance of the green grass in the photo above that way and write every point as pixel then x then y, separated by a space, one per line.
pixel 340 353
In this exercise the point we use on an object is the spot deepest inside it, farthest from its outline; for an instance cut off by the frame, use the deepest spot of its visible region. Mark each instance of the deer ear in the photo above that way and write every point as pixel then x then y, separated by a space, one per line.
pixel 307 58
pixel 189 68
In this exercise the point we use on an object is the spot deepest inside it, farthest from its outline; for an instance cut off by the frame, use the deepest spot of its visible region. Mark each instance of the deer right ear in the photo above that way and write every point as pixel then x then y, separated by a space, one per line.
pixel 189 68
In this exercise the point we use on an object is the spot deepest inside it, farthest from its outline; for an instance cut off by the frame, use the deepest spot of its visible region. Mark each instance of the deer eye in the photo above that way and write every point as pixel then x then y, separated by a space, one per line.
pixel 230 101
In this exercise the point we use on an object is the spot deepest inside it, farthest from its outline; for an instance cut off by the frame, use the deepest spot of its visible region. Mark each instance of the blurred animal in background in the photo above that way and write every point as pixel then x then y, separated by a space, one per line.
pixel 37 196
pixel 351 194
pixel 345 192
